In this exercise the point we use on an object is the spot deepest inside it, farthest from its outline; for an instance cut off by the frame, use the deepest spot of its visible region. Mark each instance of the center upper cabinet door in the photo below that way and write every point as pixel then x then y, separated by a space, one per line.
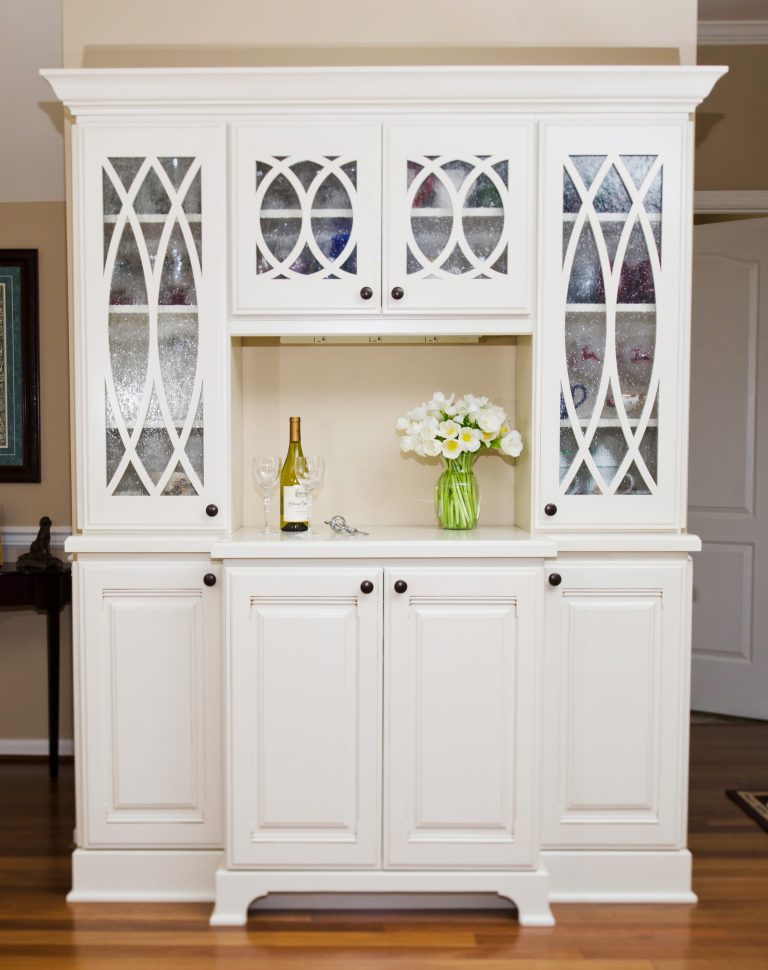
pixel 457 217
pixel 306 217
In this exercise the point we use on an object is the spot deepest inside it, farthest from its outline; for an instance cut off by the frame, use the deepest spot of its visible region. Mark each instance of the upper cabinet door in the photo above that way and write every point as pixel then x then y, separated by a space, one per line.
pixel 457 217
pixel 151 334
pixel 615 323
pixel 306 217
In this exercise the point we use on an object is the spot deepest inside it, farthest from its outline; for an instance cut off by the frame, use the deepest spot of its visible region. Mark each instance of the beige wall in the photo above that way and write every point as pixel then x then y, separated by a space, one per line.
pixel 98 33
pixel 731 128
pixel 42 226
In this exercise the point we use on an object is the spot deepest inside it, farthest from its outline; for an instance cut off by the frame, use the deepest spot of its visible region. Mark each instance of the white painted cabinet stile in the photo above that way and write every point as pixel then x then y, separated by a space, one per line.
pixel 461 673
pixel 150 347
pixel 614 327
pixel 615 697
pixel 310 226
pixel 150 679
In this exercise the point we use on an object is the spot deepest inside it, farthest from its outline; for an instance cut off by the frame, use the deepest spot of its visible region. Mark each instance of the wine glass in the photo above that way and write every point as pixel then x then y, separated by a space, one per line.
pixel 309 471
pixel 266 474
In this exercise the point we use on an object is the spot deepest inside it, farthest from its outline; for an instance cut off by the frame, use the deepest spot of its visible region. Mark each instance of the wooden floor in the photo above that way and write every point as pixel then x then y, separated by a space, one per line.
pixel 727 930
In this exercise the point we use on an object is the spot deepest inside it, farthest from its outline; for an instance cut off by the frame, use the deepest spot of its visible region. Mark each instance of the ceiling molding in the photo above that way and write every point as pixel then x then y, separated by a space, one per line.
pixel 731 202
pixel 730 33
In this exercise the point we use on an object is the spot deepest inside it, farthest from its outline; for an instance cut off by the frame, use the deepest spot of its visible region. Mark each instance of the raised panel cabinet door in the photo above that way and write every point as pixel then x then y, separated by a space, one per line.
pixel 457 217
pixel 149 674
pixel 305 709
pixel 306 216
pixel 615 760
pixel 150 335
pixel 615 324
pixel 461 661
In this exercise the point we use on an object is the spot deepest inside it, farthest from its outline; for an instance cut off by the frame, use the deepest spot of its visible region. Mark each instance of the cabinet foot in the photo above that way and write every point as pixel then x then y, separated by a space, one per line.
pixel 237 889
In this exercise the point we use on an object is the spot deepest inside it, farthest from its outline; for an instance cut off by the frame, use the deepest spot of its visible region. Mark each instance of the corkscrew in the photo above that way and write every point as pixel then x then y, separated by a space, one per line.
pixel 339 525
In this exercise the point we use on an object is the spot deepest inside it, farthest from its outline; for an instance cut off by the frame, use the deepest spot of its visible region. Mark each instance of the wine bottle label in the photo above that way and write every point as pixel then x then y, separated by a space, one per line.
pixel 295 504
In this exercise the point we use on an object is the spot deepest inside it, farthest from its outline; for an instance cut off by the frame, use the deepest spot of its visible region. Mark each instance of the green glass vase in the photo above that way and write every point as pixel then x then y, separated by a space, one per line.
pixel 457 496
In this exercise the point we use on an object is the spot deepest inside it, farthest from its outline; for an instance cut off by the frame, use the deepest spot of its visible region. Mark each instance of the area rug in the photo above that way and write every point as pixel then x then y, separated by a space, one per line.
pixel 754 803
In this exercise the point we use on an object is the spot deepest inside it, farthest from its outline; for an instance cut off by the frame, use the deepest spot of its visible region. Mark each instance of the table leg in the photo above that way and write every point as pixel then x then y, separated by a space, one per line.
pixel 53 691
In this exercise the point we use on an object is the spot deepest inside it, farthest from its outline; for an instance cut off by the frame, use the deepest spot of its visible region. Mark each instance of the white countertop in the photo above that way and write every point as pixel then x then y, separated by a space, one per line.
pixel 386 541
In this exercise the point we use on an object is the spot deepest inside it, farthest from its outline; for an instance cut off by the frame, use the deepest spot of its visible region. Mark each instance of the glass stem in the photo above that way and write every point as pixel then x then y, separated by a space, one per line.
pixel 266 512
pixel 309 508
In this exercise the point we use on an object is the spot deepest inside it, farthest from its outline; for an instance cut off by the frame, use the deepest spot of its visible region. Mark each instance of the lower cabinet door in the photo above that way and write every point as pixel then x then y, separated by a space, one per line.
pixel 148 671
pixel 615 761
pixel 305 732
pixel 461 659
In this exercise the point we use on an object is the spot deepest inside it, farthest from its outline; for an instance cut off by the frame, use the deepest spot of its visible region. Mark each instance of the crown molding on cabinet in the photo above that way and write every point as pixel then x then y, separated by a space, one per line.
pixel 116 92
pixel 732 33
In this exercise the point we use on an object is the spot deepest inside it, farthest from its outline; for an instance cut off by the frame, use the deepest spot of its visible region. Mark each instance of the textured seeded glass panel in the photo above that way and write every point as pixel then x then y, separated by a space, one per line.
pixel 331 235
pixel 130 484
pixel 155 450
pixel 432 234
pixel 126 169
pixel 431 193
pixel 128 335
pixel 587 166
pixel 331 194
pixel 457 171
pixel 151 199
pixel 281 236
pixel 483 194
pixel 176 168
pixel 128 286
pixel 457 263
pixel 193 202
pixel 612 196
pixel 178 483
pixel 483 234
pixel 585 284
pixel 635 352
pixel 177 344
pixel 280 195
pixel 195 443
pixel 177 283
pixel 638 166
pixel 306 172
pixel 636 280
pixel 571 197
pixel 585 359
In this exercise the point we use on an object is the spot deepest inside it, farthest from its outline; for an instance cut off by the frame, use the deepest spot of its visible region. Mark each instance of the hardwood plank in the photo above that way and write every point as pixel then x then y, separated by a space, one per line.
pixel 727 930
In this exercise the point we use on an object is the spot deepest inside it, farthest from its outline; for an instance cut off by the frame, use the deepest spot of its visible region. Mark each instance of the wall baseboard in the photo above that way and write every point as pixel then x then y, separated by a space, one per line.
pixel 26 747
pixel 730 201
pixel 16 539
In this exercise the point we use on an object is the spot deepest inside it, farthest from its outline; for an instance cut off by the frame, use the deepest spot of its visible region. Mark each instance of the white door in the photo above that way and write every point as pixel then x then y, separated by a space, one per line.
pixel 149 677
pixel 151 327
pixel 614 764
pixel 305 716
pixel 613 380
pixel 306 217
pixel 457 213
pixel 728 484
pixel 461 660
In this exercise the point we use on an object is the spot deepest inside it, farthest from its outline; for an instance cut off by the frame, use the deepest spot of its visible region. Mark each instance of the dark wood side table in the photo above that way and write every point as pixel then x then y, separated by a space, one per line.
pixel 49 591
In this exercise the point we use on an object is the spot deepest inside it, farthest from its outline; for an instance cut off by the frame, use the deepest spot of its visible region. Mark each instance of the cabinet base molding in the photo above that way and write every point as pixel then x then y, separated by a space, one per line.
pixel 619 877
pixel 143 875
pixel 235 891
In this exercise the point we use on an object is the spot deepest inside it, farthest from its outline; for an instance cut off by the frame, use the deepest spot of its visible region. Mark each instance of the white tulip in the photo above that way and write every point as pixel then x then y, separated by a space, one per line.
pixel 452 448
pixel 490 420
pixel 512 444
pixel 470 438
pixel 408 444
pixel 449 429
pixel 402 424
pixel 432 447
pixel 440 402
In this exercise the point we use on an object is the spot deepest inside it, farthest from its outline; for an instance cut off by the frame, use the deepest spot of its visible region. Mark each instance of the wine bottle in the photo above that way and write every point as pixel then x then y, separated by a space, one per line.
pixel 294 507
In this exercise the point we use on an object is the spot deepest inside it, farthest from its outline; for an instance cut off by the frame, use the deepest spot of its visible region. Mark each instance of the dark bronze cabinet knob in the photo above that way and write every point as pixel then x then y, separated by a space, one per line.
pixel 550 509
pixel 555 579
pixel 212 510
pixel 397 292
pixel 366 293
pixel 401 586
pixel 209 579
pixel 366 586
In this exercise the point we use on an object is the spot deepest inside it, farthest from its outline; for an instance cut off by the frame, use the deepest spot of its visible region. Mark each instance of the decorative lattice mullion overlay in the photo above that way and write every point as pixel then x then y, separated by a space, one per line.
pixel 637 215
pixel 431 266
pixel 128 214
pixel 585 215
pixel 330 167
pixel 278 167
pixel 482 167
pixel 176 215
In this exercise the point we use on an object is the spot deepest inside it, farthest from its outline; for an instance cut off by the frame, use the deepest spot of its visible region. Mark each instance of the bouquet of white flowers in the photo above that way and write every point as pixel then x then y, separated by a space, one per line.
pixel 457 430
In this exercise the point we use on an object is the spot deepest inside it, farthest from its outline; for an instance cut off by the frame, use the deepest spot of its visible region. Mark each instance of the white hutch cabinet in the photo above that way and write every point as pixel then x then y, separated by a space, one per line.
pixel 500 711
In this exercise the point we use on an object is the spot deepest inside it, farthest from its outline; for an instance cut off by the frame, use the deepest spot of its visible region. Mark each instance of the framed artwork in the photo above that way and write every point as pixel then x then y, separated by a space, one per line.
pixel 19 370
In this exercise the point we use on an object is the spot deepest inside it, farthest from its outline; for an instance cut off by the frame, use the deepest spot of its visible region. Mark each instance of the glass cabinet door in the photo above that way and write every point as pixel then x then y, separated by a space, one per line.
pixel 457 213
pixel 306 217
pixel 614 329
pixel 155 328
